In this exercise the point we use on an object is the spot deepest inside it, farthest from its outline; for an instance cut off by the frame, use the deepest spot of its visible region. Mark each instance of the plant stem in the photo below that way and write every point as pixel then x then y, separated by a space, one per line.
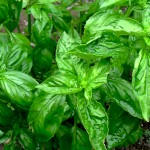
pixel 29 25
pixel 128 11
pixel 18 28
pixel 75 124
pixel 80 22
pixel 10 34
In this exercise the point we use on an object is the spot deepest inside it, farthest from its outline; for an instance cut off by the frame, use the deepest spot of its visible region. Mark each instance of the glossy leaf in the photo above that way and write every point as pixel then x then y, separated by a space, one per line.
pixel 141 83
pixel 42 60
pixel 94 120
pixel 107 22
pixel 46 115
pixel 5 114
pixel 146 19
pixel 61 83
pixel 14 10
pixel 97 75
pixel 18 87
pixel 26 139
pixel 3 11
pixel 60 24
pixel 100 48
pixel 82 141
pixel 68 141
pixel 15 56
pixel 63 59
pixel 112 2
pixel 121 92
pixel 42 32
pixel 122 126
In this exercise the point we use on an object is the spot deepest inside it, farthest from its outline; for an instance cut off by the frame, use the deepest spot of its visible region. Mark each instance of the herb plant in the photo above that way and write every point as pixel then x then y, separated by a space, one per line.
pixel 79 78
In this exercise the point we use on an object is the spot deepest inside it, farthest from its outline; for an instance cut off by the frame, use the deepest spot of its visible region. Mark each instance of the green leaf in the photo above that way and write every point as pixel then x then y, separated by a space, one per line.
pixel 121 92
pixel 141 83
pixel 146 19
pixel 108 22
pixel 67 140
pixel 14 10
pixel 42 60
pixel 60 24
pixel 18 87
pixel 122 127
pixel 46 115
pixel 1 133
pixel 97 74
pixel 63 59
pixel 6 114
pixel 82 141
pixel 20 39
pixel 66 3
pixel 3 11
pixel 61 83
pixel 94 120
pixel 74 34
pixel 15 55
pixel 36 11
pixel 26 139
pixel 108 3
pixel 42 32
pixel 101 48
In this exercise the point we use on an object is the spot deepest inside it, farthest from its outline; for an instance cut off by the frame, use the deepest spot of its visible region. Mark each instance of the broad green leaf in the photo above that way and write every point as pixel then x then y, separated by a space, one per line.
pixel 46 1
pixel 14 11
pixel 3 11
pixel 61 83
pixel 15 55
pixel 94 120
pixel 81 141
pixel 45 115
pixel 20 39
pixel 121 92
pixel 108 22
pixel 63 59
pixel 42 60
pixel 6 114
pixel 26 139
pixel 122 126
pixel 42 33
pixel 97 74
pixel 68 140
pixel 74 34
pixel 141 83
pixel 60 24
pixel 18 58
pixel 1 133
pixel 147 40
pixel 66 3
pixel 112 2
pixel 25 3
pixel 36 11
pixel 146 19
pixel 109 46
pixel 19 87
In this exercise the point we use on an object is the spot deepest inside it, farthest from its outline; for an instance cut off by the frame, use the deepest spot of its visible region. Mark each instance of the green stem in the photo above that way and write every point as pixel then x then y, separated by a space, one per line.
pixel 10 34
pixel 75 124
pixel 128 11
pixel 80 22
pixel 29 25
pixel 18 28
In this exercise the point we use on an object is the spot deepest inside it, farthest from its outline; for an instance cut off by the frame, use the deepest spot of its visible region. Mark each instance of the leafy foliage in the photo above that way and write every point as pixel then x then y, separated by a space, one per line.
pixel 78 78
